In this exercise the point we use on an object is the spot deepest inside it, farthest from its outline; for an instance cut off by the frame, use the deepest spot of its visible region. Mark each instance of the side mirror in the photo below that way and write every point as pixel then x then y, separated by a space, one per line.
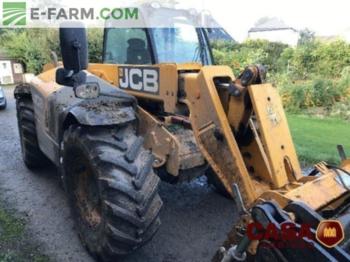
pixel 74 50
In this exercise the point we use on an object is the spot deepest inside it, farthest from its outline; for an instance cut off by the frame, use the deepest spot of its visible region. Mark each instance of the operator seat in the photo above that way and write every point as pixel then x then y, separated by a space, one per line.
pixel 137 52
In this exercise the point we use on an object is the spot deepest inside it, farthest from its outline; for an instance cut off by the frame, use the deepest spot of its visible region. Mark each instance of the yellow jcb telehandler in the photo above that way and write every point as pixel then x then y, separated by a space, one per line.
pixel 158 107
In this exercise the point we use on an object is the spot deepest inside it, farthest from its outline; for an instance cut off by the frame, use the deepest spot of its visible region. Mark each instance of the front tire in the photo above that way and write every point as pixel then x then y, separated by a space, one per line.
pixel 112 189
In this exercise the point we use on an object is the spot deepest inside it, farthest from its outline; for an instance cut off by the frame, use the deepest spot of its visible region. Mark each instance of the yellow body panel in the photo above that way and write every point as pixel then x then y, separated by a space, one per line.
pixel 45 82
pixel 168 81
pixel 207 116
pixel 108 72
pixel 275 134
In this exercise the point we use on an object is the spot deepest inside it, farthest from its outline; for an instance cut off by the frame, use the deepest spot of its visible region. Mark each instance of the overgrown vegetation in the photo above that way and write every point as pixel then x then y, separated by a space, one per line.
pixel 238 56
pixel 316 92
pixel 33 46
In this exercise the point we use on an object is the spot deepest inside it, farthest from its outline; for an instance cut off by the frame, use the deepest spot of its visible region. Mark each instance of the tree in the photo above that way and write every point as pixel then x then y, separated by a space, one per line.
pixel 306 36
pixel 33 46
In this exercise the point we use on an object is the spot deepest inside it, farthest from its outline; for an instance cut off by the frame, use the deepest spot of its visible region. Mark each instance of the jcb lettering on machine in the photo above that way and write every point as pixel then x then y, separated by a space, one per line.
pixel 142 79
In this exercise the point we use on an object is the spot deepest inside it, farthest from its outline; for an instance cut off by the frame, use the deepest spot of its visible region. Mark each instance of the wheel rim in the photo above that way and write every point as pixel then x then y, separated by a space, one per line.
pixel 87 195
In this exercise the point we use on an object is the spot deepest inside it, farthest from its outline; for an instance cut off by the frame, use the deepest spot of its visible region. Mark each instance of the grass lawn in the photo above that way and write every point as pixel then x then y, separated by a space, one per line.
pixel 316 139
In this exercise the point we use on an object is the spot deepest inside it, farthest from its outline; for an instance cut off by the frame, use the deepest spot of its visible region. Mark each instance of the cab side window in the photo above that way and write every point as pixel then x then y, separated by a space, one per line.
pixel 127 46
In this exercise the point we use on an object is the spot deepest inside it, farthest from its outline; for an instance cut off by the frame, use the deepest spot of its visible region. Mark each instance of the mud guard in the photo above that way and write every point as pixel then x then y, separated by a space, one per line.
pixel 102 113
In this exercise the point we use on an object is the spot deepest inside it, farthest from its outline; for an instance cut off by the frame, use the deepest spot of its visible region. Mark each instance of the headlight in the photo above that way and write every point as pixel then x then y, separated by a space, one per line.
pixel 87 91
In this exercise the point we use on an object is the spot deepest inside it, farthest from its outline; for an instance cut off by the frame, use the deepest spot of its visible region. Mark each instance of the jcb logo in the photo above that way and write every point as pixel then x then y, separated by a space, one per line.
pixel 143 79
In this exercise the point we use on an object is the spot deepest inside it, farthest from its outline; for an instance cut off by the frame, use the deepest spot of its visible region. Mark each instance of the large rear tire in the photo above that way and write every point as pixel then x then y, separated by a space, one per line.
pixel 31 153
pixel 112 189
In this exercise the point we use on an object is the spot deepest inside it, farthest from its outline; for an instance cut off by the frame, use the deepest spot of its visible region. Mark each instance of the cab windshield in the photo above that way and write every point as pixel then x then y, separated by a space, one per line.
pixel 179 44
pixel 182 43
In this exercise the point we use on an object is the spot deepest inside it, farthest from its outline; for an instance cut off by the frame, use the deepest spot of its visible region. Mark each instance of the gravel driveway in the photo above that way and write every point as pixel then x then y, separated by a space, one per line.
pixel 195 219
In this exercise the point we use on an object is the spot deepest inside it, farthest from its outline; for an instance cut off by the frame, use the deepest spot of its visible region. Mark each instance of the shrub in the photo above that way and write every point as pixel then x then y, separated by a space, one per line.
pixel 296 96
pixel 316 93
pixel 324 93
pixel 332 58
pixel 33 46
pixel 317 58
pixel 238 56
pixel 344 82
pixel 95 41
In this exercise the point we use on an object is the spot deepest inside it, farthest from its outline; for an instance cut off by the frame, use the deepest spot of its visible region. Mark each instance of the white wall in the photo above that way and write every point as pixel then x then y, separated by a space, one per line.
pixel 6 74
pixel 289 37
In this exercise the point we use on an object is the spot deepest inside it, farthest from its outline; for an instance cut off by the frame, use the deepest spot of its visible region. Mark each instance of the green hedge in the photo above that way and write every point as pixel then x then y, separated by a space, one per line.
pixel 33 46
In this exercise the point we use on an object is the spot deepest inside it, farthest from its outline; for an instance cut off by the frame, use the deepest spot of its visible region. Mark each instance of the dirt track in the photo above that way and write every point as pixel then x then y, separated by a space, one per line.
pixel 195 219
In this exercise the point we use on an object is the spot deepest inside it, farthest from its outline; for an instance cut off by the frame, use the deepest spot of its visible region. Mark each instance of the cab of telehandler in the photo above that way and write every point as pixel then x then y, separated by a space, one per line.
pixel 164 35
pixel 146 46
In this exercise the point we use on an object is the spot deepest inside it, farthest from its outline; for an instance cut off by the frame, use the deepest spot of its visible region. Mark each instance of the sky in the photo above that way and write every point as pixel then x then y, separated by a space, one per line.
pixel 325 17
